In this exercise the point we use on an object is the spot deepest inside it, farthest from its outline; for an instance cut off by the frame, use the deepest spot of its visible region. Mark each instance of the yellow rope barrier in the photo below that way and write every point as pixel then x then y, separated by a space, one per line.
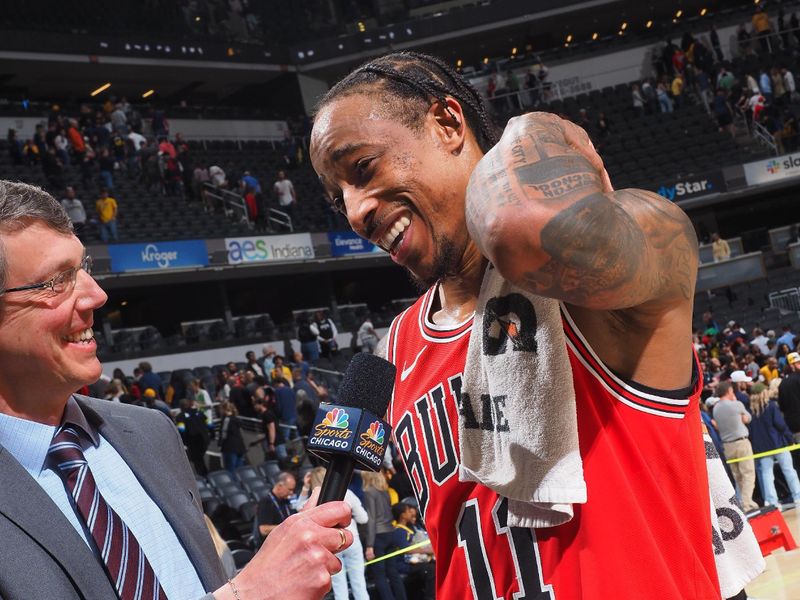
pixel 398 552
pixel 763 454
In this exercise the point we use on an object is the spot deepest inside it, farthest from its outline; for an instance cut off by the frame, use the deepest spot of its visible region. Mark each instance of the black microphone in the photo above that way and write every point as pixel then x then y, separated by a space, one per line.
pixel 353 433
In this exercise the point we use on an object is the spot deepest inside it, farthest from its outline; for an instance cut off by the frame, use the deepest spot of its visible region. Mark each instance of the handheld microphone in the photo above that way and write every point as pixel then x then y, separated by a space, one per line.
pixel 353 433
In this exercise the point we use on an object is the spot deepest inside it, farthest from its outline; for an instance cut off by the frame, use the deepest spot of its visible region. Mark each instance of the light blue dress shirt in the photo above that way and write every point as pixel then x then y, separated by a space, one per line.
pixel 28 442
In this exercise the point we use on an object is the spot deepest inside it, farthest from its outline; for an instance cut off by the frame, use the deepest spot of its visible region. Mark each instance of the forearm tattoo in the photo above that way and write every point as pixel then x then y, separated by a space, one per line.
pixel 618 249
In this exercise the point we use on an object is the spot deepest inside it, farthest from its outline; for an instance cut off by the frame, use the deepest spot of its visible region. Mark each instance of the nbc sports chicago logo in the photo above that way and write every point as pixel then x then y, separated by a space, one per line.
pixel 372 438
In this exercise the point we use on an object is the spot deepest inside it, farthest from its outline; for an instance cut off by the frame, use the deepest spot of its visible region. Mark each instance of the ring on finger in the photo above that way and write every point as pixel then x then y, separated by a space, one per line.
pixel 344 539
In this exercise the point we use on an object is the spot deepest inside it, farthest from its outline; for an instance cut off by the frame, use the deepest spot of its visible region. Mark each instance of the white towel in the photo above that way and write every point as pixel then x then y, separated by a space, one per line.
pixel 736 550
pixel 518 427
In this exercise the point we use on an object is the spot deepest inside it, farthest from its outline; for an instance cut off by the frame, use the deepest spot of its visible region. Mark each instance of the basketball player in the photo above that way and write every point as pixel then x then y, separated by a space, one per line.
pixel 405 149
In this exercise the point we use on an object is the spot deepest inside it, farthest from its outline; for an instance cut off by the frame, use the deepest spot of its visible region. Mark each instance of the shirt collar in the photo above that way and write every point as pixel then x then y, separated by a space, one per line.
pixel 29 441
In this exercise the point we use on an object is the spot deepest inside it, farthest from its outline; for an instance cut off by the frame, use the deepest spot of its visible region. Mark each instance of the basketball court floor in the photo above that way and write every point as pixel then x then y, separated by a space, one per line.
pixel 781 579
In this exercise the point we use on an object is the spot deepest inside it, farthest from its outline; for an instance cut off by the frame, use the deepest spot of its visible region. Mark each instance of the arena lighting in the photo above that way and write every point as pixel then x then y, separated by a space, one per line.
pixel 124 303
pixel 362 27
pixel 703 12
pixel 514 51
pixel 458 63
pixel 620 32
pixel 624 26
pixel 486 60
pixel 649 24
pixel 101 89
pixel 569 38
pixel 678 14
pixel 595 35
pixel 148 93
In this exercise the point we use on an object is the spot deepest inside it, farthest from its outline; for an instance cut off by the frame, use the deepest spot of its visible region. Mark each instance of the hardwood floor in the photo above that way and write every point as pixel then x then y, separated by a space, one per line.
pixel 781 579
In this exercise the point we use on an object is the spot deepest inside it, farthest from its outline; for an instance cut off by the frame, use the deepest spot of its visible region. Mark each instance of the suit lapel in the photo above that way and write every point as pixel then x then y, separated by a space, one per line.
pixel 144 450
pixel 25 503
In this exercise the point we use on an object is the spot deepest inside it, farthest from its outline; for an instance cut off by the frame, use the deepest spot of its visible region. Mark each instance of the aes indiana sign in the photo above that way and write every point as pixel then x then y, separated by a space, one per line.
pixel 269 248
pixel 691 187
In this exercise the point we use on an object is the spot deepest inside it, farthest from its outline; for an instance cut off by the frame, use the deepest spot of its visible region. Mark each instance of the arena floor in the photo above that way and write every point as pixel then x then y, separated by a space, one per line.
pixel 781 579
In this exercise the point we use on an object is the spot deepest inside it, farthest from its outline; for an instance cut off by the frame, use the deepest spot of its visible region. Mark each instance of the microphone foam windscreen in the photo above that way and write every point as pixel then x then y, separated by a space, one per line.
pixel 368 383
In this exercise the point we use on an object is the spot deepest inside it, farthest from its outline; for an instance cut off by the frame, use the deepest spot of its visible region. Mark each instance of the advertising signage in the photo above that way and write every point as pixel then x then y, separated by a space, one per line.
pixel 158 256
pixel 269 248
pixel 695 186
pixel 347 243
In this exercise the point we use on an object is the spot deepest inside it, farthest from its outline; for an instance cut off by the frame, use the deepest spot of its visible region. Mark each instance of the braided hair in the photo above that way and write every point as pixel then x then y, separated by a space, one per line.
pixel 407 81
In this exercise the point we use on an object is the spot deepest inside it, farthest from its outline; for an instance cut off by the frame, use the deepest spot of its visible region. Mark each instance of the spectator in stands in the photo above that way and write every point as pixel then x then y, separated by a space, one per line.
pixel 193 428
pixel 762 29
pixel 302 383
pixel 151 170
pixel 274 440
pixel 119 120
pixel 106 208
pixel 285 194
pixel 770 370
pixel 327 334
pixel 53 168
pixel 789 396
pixel 299 361
pixel 285 407
pixel 75 210
pixel 30 153
pixel 218 176
pixel 741 386
pixel 159 124
pixel 789 84
pixel 379 537
pixel 787 337
pixel 308 335
pixel 778 88
pixel 352 558
pixel 732 418
pixel 714 37
pixel 280 369
pixel 251 364
pixel 254 213
pixel 664 101
pixel 230 438
pixel 650 98
pixel 268 355
pixel 166 147
pixel 638 100
pixel 720 248
pixel 677 89
pixel 153 401
pixel 765 85
pixel 14 147
pixel 768 431
pixel 201 398
pixel 61 144
pixel 105 162
pixel 275 508
pixel 418 566
pixel 367 336
pixel 249 181
pixel 223 551
pixel 149 379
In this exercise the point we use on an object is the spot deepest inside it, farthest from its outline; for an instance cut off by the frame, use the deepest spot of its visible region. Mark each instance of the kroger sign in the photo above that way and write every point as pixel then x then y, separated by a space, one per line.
pixel 158 255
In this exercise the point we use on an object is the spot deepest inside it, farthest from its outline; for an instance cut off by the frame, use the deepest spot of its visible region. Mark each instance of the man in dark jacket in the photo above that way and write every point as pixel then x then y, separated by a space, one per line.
pixel 789 396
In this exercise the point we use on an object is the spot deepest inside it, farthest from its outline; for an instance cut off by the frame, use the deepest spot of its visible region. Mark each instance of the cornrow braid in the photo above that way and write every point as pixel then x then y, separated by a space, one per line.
pixel 404 78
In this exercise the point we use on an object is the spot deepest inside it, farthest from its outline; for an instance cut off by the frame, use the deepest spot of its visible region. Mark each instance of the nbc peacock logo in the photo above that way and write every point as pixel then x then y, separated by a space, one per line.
pixel 375 432
pixel 336 418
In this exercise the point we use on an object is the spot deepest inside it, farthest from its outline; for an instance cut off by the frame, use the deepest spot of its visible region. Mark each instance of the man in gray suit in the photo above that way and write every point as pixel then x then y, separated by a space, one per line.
pixel 132 457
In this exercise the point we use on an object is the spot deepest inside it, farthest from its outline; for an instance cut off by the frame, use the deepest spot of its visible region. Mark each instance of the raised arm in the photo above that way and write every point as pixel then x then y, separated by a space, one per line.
pixel 541 209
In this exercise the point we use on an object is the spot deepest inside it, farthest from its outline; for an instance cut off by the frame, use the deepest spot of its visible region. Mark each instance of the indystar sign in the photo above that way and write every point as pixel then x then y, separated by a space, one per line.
pixel 269 248
pixel 692 187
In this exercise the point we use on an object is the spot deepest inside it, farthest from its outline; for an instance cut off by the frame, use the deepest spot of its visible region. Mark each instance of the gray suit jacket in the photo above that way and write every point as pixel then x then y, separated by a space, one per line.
pixel 41 554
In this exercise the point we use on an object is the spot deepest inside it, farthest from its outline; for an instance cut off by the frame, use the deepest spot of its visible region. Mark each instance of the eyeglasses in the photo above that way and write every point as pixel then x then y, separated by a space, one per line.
pixel 63 282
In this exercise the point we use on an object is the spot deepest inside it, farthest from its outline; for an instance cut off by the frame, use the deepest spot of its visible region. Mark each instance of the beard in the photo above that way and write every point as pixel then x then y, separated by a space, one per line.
pixel 445 264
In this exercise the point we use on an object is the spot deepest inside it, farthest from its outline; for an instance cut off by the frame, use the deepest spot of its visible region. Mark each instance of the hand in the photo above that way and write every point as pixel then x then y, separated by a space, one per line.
pixel 297 559
pixel 370 553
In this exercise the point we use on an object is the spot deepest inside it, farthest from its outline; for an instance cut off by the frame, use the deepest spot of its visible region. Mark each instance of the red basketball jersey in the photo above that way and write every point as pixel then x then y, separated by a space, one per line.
pixel 645 531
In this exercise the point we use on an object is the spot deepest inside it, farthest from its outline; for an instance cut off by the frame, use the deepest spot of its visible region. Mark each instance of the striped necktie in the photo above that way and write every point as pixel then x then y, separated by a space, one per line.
pixel 126 564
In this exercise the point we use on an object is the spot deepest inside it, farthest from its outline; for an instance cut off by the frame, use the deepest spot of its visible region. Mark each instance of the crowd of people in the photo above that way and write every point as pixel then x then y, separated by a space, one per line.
pixel 751 405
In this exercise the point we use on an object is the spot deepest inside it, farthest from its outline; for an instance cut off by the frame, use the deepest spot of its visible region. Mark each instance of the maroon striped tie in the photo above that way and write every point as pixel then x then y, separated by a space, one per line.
pixel 126 564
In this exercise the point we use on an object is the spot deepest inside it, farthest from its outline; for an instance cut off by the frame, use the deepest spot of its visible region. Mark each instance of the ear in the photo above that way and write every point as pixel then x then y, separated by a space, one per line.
pixel 449 124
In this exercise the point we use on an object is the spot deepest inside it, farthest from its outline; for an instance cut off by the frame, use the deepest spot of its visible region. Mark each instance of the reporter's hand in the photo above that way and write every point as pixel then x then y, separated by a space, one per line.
pixel 369 553
pixel 298 558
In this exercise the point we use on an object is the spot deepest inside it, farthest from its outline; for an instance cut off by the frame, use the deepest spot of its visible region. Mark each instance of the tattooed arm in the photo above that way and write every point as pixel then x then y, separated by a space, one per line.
pixel 541 209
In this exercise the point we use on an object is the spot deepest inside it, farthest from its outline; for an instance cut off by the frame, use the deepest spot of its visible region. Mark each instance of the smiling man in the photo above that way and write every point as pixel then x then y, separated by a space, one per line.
pixel 568 286
pixel 85 512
